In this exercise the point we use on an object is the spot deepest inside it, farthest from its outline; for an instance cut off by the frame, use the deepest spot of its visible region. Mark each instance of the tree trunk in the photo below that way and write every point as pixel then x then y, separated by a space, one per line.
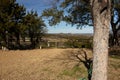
pixel 101 20
pixel 18 38
pixel 114 25
pixel 115 41
pixel 115 30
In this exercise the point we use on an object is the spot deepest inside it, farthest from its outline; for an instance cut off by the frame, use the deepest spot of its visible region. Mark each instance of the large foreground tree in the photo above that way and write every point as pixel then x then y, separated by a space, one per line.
pixel 101 12
pixel 88 12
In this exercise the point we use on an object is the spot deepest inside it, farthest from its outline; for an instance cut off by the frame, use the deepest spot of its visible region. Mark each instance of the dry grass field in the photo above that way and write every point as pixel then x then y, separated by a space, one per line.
pixel 48 64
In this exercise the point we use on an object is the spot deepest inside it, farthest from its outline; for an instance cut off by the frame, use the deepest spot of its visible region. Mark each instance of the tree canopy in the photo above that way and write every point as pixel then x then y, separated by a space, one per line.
pixel 78 12
pixel 99 14
pixel 75 12
pixel 15 23
pixel 35 27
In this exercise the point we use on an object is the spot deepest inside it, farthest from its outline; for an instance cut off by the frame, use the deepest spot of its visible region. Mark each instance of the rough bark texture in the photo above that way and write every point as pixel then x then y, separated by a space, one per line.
pixel 101 19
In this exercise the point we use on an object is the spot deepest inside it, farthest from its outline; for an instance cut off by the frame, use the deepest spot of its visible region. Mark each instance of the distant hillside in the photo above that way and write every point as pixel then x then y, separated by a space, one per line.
pixel 68 36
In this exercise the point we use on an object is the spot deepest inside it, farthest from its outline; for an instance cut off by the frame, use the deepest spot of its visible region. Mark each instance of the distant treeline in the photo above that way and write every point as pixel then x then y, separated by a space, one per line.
pixel 67 40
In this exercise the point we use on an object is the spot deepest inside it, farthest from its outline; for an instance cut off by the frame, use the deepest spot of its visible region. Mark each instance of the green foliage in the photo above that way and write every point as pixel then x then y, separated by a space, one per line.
pixel 54 15
pixel 75 12
pixel 76 43
pixel 70 73
pixel 15 23
pixel 75 71
pixel 83 79
pixel 78 12
pixel 6 14
pixel 35 27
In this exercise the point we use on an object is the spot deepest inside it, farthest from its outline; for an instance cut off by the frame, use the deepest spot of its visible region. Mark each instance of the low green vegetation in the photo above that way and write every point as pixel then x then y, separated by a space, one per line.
pixel 68 40
pixel 80 43
pixel 76 71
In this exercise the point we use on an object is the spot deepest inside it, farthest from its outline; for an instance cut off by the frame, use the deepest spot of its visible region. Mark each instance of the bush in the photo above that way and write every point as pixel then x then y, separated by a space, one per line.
pixel 78 44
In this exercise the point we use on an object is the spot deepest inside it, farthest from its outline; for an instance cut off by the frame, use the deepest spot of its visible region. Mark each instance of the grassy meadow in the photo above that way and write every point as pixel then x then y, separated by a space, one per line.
pixel 50 64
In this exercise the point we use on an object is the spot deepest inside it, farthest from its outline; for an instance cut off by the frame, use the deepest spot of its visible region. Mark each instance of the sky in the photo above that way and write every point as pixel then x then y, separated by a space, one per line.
pixel 40 5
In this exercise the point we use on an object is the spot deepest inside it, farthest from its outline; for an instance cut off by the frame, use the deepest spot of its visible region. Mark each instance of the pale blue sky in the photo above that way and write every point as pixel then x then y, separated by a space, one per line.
pixel 40 5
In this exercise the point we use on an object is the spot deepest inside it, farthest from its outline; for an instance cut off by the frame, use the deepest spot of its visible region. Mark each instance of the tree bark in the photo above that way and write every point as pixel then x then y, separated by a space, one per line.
pixel 18 38
pixel 101 20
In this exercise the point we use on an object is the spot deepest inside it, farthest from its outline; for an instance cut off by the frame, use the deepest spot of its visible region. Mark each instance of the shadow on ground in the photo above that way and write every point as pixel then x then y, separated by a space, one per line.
pixel 81 56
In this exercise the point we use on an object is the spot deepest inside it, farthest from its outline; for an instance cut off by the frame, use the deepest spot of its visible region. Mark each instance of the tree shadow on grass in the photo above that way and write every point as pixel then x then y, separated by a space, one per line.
pixel 80 56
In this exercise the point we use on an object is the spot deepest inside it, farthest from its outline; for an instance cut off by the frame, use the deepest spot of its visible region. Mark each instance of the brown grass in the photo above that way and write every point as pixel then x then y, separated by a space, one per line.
pixel 47 64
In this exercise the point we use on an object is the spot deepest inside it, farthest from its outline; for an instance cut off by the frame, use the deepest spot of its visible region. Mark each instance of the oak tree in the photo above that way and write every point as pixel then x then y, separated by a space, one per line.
pixel 88 12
